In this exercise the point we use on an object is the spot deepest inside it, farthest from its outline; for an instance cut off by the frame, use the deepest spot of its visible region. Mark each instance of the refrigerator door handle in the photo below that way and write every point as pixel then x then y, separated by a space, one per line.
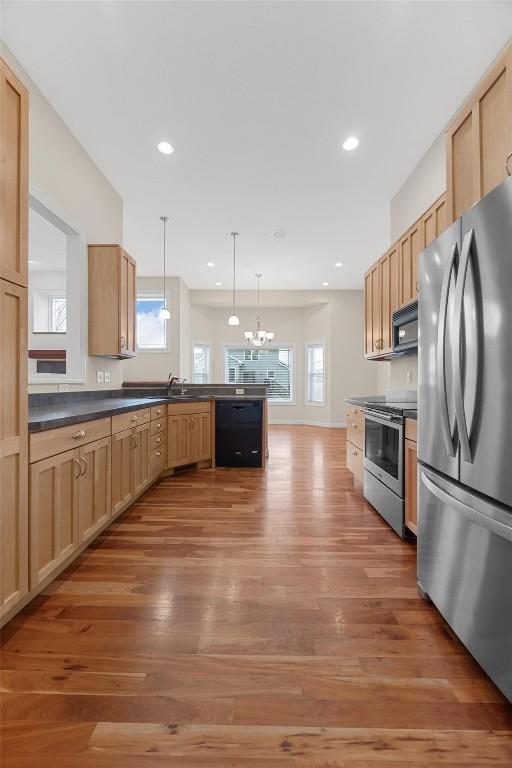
pixel 460 411
pixel 479 518
pixel 449 438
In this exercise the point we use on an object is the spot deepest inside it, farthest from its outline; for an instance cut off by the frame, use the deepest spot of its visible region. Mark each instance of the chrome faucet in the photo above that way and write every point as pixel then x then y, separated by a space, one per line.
pixel 170 381
pixel 182 387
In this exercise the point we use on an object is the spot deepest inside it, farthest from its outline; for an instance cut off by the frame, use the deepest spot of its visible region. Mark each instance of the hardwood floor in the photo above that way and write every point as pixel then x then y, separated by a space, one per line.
pixel 246 619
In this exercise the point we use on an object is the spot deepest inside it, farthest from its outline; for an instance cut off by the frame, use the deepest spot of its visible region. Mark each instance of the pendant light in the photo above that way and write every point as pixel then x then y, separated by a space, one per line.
pixel 258 338
pixel 233 318
pixel 164 312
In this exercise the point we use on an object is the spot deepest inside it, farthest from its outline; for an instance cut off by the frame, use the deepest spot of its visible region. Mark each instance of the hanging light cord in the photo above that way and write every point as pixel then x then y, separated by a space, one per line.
pixel 165 219
pixel 234 235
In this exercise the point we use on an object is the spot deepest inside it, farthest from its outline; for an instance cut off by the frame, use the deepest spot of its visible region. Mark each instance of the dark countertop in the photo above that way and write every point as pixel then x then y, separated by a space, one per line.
pixel 51 416
pixel 411 413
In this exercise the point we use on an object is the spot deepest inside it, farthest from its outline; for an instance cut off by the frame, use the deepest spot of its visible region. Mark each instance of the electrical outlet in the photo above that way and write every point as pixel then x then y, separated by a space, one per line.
pixel 108 378
pixel 239 391
pixel 99 377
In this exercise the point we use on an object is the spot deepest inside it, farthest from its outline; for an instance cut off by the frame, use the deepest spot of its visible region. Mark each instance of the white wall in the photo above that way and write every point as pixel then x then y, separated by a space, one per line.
pixel 61 169
pixel 425 184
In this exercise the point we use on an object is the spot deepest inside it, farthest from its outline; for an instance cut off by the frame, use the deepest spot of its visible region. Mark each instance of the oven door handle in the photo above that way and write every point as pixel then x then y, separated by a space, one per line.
pixel 378 414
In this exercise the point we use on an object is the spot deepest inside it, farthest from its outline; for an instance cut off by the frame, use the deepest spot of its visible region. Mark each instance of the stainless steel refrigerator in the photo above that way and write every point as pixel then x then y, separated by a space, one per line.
pixel 465 430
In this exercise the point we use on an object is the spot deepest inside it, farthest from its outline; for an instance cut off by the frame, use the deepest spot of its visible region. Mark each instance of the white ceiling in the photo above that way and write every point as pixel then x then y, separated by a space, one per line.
pixel 256 98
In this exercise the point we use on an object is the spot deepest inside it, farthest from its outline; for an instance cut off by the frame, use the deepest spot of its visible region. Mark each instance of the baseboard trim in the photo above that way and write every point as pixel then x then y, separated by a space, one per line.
pixel 306 423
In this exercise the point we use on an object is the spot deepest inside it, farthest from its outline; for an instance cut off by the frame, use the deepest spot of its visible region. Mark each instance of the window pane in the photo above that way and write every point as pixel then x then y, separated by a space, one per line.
pixel 151 328
pixel 201 373
pixel 273 367
pixel 315 373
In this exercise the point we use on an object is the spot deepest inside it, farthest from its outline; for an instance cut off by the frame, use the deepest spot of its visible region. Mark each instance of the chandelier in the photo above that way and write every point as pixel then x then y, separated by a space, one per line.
pixel 258 337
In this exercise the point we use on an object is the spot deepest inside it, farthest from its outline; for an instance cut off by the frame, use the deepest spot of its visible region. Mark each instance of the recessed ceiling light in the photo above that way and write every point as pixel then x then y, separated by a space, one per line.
pixel 338 264
pixel 325 283
pixel 165 148
pixel 350 143
pixel 279 234
pixel 210 264
pixel 218 283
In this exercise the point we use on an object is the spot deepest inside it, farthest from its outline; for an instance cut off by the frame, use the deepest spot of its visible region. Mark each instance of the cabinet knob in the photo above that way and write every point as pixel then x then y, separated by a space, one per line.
pixel 158 426
pixel 354 453
pixel 158 453
pixel 123 342
pixel 158 440
pixel 355 426
pixel 77 435
pixel 134 418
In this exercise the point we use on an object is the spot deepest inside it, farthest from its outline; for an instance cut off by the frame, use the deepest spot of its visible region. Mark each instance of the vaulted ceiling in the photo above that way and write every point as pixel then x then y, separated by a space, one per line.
pixel 256 98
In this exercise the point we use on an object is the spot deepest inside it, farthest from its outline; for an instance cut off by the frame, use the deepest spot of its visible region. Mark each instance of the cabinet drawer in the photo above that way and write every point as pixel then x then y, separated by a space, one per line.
pixel 354 412
pixel 158 440
pixel 158 460
pixel 186 409
pixel 131 419
pixel 355 432
pixel 355 461
pixel 158 412
pixel 158 426
pixel 410 429
pixel 54 441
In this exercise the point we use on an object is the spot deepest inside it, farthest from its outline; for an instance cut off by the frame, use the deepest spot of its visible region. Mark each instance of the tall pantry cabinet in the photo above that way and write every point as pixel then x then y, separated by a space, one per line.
pixel 13 340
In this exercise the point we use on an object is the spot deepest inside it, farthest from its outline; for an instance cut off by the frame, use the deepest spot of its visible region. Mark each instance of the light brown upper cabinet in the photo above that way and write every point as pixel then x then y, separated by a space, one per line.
pixel 434 221
pixel 389 285
pixel 112 297
pixel 479 139
pixel 372 313
pixel 13 446
pixel 410 247
pixel 13 178
pixel 381 298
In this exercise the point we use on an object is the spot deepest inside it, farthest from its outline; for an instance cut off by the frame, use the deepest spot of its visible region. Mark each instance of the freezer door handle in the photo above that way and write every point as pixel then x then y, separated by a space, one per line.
pixel 481 519
pixel 449 438
pixel 460 411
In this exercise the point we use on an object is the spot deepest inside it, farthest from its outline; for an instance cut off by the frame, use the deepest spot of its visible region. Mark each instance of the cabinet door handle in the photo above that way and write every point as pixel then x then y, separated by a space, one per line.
pixel 85 466
pixel 417 287
pixel 158 440
pixel 354 426
pixel 135 441
pixel 123 342
pixel 354 453
pixel 507 167
pixel 77 462
pixel 79 434
pixel 158 453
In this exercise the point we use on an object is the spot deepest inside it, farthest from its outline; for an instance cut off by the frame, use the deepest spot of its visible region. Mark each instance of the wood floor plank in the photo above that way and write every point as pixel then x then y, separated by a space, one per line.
pixel 246 619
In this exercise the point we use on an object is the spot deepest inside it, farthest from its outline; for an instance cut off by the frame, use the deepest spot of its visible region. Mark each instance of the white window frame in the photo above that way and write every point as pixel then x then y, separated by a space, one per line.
pixel 307 400
pixel 76 292
pixel 208 346
pixel 282 345
pixel 154 293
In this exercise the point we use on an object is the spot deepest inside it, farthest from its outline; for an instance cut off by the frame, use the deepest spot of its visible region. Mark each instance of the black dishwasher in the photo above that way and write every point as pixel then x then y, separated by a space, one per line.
pixel 238 433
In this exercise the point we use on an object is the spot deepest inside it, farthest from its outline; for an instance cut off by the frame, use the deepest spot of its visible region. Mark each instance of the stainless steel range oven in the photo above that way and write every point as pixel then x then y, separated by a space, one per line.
pixel 383 484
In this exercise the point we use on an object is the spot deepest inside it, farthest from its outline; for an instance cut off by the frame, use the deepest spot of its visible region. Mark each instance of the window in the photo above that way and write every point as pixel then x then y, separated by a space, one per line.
pixel 270 366
pixel 201 364
pixel 315 374
pixel 57 314
pixel 151 328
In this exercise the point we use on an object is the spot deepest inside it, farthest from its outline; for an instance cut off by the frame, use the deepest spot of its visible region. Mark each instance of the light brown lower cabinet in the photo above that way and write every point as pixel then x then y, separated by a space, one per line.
pixel 188 437
pixel 13 447
pixel 54 494
pixel 130 465
pixel 94 507
pixel 121 470
pixel 411 485
pixel 140 461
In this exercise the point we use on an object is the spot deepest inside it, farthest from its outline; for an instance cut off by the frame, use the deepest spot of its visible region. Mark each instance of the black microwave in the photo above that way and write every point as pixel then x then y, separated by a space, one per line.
pixel 405 329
